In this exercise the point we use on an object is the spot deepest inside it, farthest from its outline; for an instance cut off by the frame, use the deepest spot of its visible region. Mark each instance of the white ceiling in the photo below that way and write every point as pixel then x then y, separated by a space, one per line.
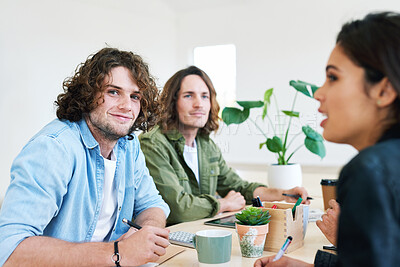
pixel 190 5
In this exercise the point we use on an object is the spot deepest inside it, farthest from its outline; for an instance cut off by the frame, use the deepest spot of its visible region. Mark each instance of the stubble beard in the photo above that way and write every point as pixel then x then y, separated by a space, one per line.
pixel 106 130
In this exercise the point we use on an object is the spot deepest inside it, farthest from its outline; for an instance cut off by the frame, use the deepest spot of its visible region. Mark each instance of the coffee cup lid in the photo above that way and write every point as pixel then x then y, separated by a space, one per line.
pixel 329 181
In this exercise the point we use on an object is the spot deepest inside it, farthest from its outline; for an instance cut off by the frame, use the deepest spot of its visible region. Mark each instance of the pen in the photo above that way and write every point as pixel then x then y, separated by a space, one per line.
pixel 259 202
pixel 283 248
pixel 295 196
pixel 131 224
pixel 299 200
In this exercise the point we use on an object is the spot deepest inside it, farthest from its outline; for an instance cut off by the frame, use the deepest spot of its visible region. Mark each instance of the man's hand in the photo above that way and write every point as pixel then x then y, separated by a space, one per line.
pixel 330 221
pixel 297 191
pixel 145 245
pixel 284 261
pixel 231 202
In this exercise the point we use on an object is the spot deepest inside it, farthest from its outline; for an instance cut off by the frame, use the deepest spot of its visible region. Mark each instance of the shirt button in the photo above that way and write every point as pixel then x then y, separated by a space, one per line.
pixel 119 208
pixel 114 230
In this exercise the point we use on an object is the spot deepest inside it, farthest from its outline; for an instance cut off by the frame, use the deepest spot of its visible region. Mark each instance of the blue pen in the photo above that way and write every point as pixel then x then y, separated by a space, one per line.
pixel 259 202
pixel 283 248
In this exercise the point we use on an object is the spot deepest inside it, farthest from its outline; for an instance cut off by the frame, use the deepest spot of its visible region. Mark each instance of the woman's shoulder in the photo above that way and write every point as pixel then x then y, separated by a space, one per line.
pixel 376 165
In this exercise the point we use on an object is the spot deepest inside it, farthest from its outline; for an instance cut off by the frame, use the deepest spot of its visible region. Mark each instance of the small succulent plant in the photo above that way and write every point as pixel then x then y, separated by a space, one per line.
pixel 253 216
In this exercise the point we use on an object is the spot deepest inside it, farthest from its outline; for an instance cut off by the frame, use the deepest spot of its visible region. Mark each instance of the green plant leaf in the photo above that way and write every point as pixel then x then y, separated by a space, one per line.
pixel 253 216
pixel 316 147
pixel 267 95
pixel 311 133
pixel 267 101
pixel 302 87
pixel 274 144
pixel 235 115
pixel 291 113
pixel 262 144
pixel 250 104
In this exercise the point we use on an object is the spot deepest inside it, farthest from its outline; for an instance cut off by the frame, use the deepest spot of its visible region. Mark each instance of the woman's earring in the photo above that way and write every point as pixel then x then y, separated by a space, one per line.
pixel 378 102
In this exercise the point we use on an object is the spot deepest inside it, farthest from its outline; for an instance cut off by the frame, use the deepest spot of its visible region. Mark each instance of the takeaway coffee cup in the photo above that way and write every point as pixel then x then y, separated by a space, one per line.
pixel 328 191
pixel 213 247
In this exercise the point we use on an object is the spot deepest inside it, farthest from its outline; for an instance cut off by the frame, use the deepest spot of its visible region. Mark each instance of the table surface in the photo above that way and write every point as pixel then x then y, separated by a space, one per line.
pixel 313 240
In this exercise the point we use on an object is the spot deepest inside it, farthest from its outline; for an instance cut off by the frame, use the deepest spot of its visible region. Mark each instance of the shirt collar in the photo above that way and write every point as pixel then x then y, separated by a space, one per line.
pixel 175 135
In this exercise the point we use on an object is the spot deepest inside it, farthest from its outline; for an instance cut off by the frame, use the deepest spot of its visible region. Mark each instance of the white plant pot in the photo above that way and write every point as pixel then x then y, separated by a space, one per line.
pixel 284 176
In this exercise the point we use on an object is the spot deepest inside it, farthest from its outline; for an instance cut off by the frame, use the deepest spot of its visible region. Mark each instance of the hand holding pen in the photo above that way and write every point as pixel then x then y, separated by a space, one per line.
pixel 147 244
pixel 286 260
pixel 293 194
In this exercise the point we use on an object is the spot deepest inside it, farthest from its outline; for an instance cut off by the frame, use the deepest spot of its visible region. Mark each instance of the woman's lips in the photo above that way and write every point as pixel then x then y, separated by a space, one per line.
pixel 323 122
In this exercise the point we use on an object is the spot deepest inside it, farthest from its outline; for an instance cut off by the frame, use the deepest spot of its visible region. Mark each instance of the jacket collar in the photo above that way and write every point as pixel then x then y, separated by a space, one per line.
pixel 175 135
pixel 392 133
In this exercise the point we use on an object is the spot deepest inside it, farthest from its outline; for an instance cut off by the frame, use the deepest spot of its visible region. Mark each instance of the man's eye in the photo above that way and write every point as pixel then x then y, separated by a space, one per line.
pixel 206 96
pixel 136 97
pixel 187 96
pixel 112 92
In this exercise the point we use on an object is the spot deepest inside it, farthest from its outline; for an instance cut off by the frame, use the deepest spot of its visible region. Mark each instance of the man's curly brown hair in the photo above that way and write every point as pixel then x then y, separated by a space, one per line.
pixel 80 91
pixel 169 118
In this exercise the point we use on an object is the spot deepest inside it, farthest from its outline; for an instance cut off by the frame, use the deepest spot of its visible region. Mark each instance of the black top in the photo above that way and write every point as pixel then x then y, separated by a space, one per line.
pixel 369 197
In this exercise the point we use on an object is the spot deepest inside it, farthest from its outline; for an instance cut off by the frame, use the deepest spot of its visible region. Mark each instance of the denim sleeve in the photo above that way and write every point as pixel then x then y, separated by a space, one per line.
pixel 146 194
pixel 39 178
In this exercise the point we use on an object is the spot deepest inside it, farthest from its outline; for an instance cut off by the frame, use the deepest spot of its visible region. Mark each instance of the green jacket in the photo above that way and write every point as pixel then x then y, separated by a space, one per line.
pixel 177 183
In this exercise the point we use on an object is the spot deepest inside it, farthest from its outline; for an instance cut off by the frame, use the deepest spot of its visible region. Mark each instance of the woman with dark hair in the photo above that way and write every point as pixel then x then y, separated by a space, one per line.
pixel 360 99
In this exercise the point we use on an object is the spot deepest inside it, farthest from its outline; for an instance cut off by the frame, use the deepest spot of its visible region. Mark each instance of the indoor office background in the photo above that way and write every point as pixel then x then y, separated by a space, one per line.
pixel 42 42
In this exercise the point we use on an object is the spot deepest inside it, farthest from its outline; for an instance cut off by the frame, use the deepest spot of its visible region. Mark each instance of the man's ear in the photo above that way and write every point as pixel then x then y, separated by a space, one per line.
pixel 385 94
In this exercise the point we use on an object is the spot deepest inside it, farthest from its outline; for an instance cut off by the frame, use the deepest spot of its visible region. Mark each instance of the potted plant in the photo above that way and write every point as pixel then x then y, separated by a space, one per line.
pixel 252 229
pixel 279 143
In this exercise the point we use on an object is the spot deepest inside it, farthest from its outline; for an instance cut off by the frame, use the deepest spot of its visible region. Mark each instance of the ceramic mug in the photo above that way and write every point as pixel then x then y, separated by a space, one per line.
pixel 213 246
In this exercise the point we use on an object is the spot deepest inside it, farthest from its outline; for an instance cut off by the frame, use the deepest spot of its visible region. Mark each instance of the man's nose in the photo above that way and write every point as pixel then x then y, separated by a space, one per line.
pixel 198 101
pixel 125 103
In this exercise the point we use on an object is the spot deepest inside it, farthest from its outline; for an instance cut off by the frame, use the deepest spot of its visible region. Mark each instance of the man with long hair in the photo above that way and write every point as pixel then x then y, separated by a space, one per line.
pixel 186 165
pixel 84 172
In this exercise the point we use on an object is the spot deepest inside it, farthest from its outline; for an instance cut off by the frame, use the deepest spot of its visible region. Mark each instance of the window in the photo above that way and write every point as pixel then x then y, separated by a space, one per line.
pixel 219 62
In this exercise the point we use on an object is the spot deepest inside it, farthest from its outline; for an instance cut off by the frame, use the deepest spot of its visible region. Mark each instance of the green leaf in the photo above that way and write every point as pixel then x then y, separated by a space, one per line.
pixel 253 216
pixel 267 101
pixel 291 113
pixel 302 87
pixel 250 104
pixel 234 115
pixel 274 144
pixel 316 147
pixel 267 95
pixel 311 133
pixel 262 144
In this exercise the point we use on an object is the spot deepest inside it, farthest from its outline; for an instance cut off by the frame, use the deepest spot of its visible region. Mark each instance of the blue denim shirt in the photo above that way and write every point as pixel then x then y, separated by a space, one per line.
pixel 56 187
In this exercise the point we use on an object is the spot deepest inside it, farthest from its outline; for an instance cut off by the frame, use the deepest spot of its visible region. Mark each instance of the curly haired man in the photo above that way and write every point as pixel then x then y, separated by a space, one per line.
pixel 76 179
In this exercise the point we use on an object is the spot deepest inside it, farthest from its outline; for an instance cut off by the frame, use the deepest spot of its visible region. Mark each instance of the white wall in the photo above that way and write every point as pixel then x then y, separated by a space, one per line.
pixel 41 43
pixel 276 41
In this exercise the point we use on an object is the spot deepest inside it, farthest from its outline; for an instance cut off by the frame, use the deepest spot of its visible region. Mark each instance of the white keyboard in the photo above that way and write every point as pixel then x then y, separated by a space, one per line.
pixel 182 239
